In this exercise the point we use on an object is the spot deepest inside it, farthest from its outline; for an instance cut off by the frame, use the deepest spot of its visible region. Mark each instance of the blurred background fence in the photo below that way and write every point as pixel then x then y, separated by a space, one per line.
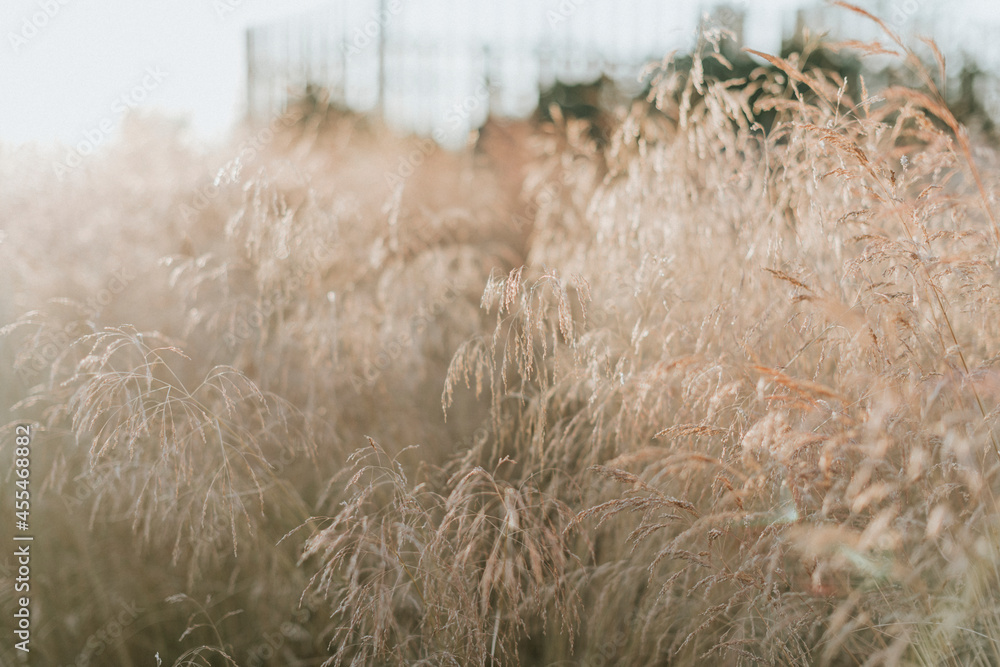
pixel 444 65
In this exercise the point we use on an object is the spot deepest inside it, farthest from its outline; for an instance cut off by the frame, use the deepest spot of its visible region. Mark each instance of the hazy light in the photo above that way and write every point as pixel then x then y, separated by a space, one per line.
pixel 70 69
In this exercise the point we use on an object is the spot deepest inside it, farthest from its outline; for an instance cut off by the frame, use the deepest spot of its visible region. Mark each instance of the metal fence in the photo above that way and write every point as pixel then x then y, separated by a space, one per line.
pixel 438 67
pixel 441 65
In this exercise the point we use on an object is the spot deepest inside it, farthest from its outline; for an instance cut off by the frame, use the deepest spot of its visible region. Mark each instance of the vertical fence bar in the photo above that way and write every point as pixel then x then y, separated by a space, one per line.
pixel 251 74
pixel 420 70
pixel 382 41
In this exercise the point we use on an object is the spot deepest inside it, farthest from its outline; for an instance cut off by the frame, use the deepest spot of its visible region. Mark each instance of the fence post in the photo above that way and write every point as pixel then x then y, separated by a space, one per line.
pixel 251 74
pixel 382 19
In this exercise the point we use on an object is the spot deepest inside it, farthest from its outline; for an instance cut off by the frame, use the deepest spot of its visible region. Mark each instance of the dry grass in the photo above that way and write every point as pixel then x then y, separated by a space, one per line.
pixel 711 395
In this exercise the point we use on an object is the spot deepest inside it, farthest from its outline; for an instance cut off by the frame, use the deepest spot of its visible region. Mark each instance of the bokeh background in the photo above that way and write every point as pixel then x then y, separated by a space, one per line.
pixel 65 66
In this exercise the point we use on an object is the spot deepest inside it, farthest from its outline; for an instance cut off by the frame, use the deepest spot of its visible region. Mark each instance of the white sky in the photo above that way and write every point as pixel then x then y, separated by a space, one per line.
pixel 68 78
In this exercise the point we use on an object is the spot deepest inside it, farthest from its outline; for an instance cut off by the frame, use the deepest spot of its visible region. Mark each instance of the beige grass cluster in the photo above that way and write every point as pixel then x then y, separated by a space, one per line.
pixel 711 395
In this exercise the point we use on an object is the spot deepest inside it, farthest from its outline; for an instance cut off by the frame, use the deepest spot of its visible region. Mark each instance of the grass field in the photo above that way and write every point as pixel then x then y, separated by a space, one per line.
pixel 703 394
